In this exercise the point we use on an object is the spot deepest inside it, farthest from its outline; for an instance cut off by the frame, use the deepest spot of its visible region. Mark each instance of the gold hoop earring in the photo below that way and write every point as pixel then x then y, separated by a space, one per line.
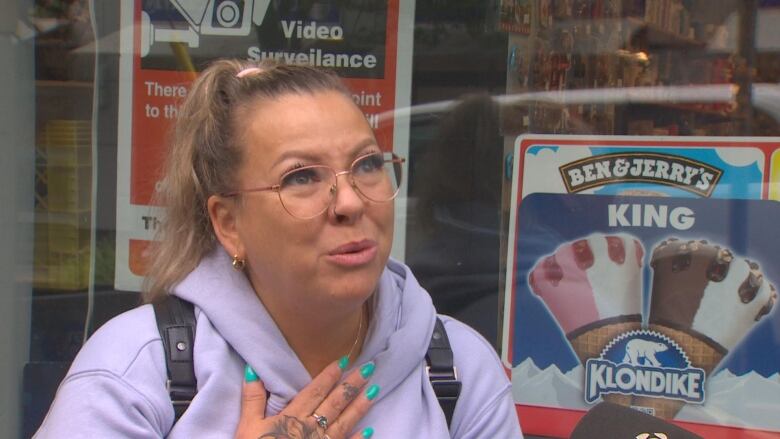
pixel 238 263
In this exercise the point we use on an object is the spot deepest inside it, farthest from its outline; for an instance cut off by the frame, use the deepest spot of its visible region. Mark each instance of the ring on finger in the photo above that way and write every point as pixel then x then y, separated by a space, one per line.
pixel 322 421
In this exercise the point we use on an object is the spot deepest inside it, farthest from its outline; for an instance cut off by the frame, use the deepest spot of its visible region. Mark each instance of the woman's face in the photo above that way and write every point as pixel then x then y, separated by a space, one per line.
pixel 335 258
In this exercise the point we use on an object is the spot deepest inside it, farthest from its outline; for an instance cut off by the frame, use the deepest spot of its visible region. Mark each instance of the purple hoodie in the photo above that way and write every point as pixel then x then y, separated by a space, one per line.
pixel 116 386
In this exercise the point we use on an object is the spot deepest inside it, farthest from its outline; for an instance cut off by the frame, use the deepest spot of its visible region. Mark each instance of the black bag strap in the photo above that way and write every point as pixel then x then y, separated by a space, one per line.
pixel 441 370
pixel 176 323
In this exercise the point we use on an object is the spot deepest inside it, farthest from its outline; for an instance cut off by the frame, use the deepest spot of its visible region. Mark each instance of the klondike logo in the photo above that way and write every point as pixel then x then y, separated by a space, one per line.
pixel 670 170
pixel 644 363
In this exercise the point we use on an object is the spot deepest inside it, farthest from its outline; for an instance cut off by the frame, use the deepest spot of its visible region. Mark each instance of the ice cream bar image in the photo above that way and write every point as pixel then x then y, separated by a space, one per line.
pixel 706 290
pixel 593 288
pixel 706 299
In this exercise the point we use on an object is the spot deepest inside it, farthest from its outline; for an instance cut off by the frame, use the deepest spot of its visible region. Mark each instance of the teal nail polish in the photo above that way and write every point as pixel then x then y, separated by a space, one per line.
pixel 344 362
pixel 368 432
pixel 372 392
pixel 249 374
pixel 367 370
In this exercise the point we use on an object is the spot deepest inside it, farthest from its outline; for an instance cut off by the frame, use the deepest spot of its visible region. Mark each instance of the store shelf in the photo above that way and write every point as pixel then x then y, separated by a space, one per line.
pixel 706 110
pixel 635 32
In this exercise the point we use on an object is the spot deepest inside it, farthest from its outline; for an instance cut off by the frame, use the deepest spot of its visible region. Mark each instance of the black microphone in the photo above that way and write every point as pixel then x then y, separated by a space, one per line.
pixel 612 421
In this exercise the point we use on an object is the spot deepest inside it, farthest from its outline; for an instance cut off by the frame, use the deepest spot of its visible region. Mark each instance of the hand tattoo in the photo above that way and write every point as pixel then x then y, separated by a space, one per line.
pixel 350 391
pixel 292 428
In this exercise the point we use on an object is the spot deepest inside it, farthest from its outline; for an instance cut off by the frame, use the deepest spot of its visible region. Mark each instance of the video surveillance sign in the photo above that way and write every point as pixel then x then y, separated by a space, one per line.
pixel 322 34
pixel 164 43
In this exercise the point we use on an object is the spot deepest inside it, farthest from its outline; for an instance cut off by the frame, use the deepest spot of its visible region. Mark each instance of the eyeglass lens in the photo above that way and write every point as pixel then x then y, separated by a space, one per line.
pixel 306 192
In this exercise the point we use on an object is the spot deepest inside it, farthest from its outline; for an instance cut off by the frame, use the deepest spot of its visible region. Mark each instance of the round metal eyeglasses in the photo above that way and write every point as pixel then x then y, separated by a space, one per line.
pixel 306 192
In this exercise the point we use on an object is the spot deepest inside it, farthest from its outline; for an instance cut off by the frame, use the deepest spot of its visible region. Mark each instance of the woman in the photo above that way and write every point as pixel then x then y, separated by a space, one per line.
pixel 278 230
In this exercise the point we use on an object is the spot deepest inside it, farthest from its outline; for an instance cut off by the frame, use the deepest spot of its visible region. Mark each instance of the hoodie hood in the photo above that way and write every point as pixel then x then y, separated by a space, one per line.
pixel 402 321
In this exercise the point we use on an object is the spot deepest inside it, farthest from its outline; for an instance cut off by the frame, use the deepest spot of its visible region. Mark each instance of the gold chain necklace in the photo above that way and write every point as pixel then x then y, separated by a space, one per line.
pixel 357 337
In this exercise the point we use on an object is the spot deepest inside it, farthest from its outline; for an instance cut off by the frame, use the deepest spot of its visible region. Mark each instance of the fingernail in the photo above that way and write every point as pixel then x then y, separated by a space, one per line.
pixel 367 370
pixel 372 392
pixel 368 432
pixel 344 362
pixel 249 374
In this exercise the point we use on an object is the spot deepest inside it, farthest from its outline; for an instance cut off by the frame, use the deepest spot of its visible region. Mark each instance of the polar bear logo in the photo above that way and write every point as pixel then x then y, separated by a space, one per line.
pixel 641 352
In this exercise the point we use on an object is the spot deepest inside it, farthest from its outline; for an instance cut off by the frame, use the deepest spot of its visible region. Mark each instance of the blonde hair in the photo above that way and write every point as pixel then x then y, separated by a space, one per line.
pixel 205 156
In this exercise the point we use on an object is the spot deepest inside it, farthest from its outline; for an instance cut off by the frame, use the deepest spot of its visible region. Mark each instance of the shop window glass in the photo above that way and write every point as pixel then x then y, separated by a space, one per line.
pixel 480 75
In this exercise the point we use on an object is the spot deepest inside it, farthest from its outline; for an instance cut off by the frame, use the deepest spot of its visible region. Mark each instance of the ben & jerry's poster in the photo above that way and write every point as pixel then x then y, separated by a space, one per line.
pixel 165 42
pixel 644 271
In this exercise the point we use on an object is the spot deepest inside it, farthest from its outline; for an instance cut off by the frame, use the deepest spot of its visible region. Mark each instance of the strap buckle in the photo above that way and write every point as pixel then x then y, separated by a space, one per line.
pixel 180 396
pixel 438 376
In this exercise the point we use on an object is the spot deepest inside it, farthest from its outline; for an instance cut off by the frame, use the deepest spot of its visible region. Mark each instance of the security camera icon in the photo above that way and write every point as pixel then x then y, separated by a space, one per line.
pixel 211 17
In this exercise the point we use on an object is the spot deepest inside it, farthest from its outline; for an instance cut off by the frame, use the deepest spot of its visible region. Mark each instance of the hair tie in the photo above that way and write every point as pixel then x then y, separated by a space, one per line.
pixel 248 71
